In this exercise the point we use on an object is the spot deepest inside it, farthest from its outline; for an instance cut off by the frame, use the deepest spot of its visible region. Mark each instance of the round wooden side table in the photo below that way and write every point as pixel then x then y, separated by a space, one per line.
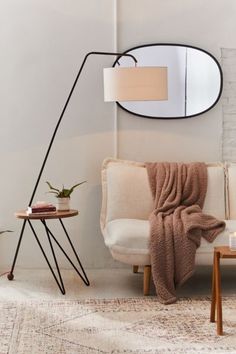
pixel 59 215
pixel 216 301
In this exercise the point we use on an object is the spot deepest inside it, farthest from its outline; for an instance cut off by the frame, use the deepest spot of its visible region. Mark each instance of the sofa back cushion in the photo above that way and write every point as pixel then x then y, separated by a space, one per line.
pixel 215 201
pixel 126 191
pixel 231 189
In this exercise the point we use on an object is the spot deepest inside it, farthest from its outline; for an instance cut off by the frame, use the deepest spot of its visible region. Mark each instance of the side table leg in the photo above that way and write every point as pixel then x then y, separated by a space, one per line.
pixel 76 255
pixel 54 257
pixel 213 291
pixel 61 287
pixel 218 295
pixel 82 276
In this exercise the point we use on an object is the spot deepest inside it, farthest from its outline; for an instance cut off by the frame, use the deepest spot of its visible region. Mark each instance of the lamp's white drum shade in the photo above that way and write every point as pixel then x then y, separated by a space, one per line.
pixel 135 84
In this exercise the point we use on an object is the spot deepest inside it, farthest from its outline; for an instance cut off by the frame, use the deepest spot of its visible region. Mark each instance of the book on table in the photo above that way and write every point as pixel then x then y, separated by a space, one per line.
pixel 41 208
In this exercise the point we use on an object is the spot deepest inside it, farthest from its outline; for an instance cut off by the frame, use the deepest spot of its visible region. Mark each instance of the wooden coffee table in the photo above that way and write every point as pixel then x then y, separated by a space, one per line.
pixel 59 215
pixel 216 301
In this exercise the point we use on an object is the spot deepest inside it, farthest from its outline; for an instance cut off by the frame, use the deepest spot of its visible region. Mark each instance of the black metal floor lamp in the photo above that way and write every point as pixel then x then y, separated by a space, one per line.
pixel 116 91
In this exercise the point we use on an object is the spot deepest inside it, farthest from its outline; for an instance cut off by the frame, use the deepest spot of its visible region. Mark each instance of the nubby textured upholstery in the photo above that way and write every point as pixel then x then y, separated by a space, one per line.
pixel 127 203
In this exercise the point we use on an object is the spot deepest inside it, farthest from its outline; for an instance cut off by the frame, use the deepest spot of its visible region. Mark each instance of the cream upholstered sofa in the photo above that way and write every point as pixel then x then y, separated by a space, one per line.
pixel 127 203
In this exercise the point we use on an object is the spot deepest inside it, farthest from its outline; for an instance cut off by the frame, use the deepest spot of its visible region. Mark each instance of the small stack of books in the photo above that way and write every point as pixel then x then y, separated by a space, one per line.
pixel 41 209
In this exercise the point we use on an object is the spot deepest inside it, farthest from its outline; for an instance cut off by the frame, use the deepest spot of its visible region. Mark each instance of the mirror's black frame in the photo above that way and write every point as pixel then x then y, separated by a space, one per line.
pixel 179 45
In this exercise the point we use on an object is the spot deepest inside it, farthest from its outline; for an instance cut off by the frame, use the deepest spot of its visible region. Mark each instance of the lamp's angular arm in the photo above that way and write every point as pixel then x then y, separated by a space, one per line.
pixel 64 109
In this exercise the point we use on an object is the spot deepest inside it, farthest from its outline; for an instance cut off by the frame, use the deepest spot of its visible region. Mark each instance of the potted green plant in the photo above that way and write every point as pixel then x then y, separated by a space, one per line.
pixel 63 195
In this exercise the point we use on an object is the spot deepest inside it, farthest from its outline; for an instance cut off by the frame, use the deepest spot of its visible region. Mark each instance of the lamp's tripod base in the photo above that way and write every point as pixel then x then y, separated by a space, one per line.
pixel 10 276
pixel 50 235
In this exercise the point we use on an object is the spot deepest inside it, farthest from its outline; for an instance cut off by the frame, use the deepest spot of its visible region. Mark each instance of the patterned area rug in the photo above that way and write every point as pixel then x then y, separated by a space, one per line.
pixel 137 325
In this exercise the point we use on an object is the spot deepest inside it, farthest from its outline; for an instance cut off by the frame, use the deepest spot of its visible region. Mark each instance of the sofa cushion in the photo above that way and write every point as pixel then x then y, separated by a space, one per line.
pixel 131 236
pixel 126 191
pixel 215 202
pixel 231 187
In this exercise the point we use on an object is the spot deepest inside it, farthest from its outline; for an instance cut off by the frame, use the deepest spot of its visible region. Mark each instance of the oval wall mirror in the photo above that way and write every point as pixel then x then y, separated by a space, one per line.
pixel 195 80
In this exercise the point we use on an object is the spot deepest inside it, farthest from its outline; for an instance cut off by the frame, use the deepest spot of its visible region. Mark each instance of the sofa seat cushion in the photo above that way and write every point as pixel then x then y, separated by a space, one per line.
pixel 128 236
pixel 131 236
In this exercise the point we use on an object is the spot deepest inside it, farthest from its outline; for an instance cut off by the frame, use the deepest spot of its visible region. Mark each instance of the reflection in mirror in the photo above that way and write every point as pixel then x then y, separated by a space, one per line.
pixel 194 80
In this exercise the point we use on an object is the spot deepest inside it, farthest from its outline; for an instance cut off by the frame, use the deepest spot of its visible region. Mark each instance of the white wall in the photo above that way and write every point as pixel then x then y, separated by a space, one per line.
pixel 42 43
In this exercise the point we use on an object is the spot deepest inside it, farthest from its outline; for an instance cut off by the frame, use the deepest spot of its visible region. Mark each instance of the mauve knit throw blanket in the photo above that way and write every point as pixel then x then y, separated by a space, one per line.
pixel 177 223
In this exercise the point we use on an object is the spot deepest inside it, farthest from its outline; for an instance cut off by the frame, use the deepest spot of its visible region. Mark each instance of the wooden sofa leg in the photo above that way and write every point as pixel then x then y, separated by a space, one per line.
pixel 135 268
pixel 146 280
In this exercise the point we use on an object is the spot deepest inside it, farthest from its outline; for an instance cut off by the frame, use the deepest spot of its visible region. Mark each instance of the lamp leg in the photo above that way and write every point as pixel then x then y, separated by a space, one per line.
pixel 10 275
